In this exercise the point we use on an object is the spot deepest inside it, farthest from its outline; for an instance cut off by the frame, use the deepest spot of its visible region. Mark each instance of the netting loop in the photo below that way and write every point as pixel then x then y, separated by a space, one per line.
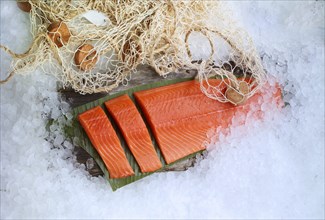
pixel 203 32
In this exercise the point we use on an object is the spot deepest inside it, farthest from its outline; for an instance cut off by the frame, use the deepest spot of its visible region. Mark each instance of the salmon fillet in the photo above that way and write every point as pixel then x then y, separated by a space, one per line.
pixel 104 139
pixel 180 116
pixel 134 132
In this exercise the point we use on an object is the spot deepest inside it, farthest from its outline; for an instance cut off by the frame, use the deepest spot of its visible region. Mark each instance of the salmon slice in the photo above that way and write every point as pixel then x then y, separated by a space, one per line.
pixel 180 116
pixel 103 137
pixel 134 132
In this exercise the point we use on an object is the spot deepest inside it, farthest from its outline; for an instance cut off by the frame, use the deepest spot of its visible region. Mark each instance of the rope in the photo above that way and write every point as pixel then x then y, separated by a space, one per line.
pixel 156 33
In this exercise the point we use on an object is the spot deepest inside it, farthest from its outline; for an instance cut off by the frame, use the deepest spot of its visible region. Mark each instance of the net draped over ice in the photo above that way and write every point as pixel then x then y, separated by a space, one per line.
pixel 165 35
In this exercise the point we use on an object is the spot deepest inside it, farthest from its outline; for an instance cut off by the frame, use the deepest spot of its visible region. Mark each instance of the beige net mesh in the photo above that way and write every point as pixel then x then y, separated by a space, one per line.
pixel 167 35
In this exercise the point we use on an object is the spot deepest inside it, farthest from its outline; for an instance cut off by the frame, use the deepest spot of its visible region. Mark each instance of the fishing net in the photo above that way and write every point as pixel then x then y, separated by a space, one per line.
pixel 167 35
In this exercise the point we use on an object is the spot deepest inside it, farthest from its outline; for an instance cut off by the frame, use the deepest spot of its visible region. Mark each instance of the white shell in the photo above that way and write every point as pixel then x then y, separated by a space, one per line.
pixel 96 17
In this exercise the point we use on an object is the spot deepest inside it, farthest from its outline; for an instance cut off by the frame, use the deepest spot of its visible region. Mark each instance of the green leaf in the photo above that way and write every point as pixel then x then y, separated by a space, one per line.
pixel 77 131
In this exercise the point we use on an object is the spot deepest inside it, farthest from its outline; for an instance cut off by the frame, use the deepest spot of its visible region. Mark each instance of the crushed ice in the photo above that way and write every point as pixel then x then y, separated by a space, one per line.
pixel 263 169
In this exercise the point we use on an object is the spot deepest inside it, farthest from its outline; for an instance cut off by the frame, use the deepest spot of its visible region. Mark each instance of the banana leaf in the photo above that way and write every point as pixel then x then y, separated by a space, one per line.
pixel 76 131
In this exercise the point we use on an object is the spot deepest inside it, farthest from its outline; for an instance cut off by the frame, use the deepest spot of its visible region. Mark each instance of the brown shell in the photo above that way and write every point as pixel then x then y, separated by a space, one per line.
pixel 238 97
pixel 244 87
pixel 85 57
pixel 130 54
pixel 59 33
pixel 24 6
